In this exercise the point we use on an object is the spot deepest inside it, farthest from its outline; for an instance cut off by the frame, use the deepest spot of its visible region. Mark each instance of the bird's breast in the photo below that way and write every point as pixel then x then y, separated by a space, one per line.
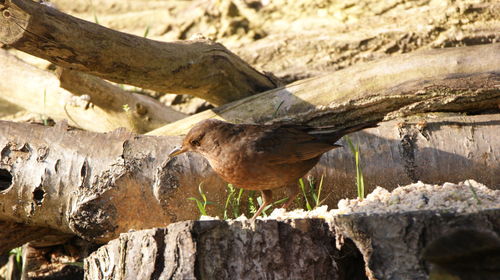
pixel 256 173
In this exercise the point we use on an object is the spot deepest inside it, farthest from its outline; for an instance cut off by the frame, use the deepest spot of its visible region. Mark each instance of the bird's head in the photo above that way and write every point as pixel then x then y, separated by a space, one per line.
pixel 199 138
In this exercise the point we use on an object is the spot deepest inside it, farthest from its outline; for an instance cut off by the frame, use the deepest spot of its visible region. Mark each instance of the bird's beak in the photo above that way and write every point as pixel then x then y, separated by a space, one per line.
pixel 177 151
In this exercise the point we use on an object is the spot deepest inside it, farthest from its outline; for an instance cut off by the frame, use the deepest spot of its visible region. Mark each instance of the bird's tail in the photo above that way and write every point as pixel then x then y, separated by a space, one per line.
pixel 332 135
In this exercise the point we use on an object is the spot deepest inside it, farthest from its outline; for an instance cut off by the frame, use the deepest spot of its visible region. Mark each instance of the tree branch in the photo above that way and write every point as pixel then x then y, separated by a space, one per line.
pixel 201 68
pixel 96 105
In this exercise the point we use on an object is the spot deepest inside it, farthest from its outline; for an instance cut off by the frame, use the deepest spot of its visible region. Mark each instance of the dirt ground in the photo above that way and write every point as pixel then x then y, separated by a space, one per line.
pixel 302 38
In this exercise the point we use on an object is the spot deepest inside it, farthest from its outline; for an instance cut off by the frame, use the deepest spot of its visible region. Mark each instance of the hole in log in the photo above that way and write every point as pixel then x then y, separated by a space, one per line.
pixel 351 263
pixel 56 166
pixel 5 179
pixel 83 170
pixel 38 195
pixel 6 13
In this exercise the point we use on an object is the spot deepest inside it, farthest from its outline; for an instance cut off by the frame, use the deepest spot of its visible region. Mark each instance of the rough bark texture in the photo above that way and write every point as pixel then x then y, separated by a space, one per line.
pixel 299 249
pixel 86 102
pixel 99 185
pixel 201 68
pixel 455 79
pixel 410 245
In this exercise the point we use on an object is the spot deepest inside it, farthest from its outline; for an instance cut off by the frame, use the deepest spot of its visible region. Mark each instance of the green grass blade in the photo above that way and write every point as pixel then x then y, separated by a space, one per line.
pixel 302 188
pixel 228 200
pixel 237 205
pixel 474 193
pixel 312 189
pixel 318 200
pixel 199 204
pixel 360 184
pixel 349 143
pixel 251 204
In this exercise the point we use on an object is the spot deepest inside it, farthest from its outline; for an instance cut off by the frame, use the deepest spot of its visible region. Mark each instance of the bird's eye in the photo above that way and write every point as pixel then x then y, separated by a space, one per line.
pixel 195 143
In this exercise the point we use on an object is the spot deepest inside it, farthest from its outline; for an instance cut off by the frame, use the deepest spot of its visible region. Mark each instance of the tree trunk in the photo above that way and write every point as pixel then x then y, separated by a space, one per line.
pixel 412 245
pixel 201 68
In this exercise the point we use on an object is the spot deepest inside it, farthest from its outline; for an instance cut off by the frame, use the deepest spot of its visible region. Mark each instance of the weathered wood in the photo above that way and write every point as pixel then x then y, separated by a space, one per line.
pixel 89 184
pixel 405 245
pixel 299 249
pixel 409 245
pixel 58 178
pixel 86 102
pixel 201 68
pixel 454 79
pixel 141 113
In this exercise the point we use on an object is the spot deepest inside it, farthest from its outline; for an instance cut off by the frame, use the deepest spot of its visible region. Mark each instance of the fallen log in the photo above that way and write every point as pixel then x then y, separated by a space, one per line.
pixel 99 185
pixel 445 80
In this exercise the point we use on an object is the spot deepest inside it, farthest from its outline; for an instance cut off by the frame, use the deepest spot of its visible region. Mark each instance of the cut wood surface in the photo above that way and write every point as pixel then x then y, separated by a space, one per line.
pixel 201 68
pixel 99 185
pixel 85 101
pixel 454 79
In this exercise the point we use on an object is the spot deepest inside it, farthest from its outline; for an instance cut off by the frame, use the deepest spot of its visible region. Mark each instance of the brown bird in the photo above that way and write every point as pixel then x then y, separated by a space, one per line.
pixel 262 157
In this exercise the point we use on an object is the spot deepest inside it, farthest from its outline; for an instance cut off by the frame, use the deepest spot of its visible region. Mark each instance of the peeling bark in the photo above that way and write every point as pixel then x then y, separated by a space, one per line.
pixel 201 68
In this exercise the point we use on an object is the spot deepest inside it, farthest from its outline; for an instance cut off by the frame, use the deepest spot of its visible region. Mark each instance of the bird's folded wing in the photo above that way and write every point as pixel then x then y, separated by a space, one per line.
pixel 289 145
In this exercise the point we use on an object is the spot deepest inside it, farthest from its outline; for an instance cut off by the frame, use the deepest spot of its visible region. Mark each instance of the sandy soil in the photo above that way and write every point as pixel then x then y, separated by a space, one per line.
pixel 302 38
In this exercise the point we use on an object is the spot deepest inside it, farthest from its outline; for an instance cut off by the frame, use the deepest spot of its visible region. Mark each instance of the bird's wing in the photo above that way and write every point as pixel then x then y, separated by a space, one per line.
pixel 290 144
